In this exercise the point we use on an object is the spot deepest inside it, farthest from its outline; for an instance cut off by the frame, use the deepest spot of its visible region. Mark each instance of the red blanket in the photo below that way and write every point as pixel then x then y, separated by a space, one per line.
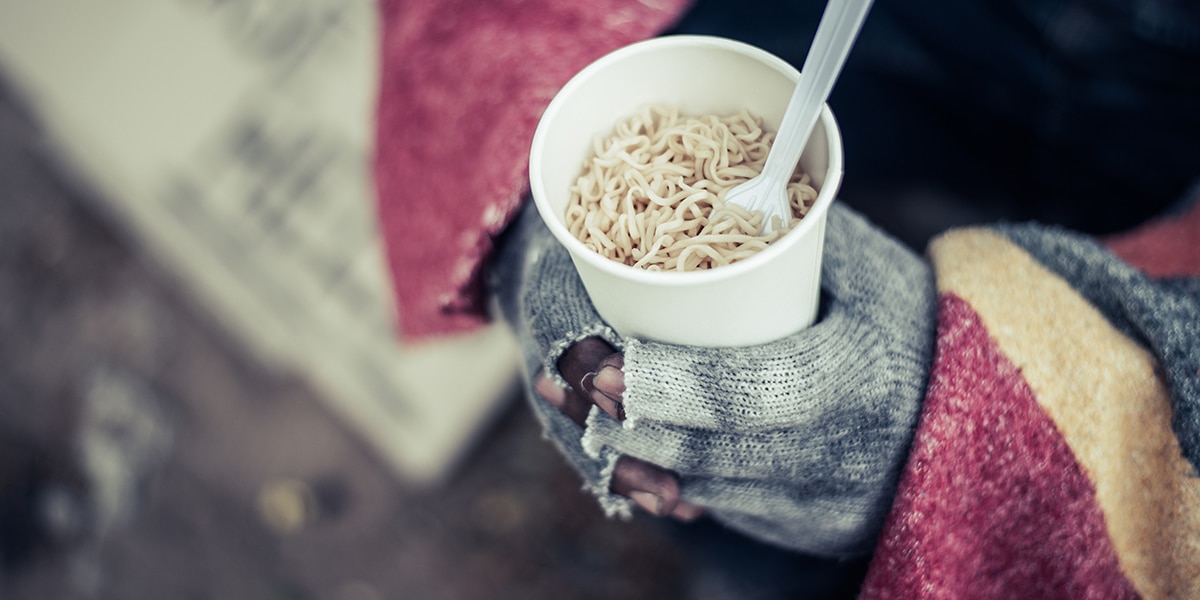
pixel 462 86
pixel 1047 463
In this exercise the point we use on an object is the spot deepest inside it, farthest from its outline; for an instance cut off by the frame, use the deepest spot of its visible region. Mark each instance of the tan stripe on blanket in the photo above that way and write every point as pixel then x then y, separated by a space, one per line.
pixel 1104 393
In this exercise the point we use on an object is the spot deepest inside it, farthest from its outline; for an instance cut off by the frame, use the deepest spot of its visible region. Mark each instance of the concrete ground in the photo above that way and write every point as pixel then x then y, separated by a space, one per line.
pixel 225 480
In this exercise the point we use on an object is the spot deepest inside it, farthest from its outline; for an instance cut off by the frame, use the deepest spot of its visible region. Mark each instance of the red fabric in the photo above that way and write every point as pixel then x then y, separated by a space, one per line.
pixel 462 86
pixel 992 503
pixel 1168 247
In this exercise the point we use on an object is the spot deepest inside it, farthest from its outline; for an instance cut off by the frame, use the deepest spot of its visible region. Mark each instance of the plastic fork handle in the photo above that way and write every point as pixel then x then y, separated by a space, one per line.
pixel 831 45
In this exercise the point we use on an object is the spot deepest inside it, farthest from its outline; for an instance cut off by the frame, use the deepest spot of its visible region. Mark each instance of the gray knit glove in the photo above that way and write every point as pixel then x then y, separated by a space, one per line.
pixel 539 294
pixel 798 442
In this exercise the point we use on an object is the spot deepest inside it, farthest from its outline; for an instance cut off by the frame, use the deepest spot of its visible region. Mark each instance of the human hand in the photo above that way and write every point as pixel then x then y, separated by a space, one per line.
pixel 797 442
pixel 592 369
pixel 595 366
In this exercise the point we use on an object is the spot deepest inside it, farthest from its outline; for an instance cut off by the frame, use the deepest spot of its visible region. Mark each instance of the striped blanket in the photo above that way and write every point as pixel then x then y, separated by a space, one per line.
pixel 1059 444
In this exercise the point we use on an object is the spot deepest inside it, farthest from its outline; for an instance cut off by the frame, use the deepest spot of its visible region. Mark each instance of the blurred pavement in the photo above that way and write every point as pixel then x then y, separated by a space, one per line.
pixel 227 480
pixel 144 453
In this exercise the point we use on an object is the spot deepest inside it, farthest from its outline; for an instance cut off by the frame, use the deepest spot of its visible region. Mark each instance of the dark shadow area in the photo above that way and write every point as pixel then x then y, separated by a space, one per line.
pixel 1079 114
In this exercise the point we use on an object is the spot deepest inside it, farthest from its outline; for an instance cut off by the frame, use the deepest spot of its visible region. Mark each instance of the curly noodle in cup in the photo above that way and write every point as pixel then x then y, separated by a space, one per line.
pixel 762 295
pixel 652 193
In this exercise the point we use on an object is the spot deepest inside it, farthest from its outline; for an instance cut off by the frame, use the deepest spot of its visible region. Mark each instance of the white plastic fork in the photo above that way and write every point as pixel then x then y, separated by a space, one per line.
pixel 835 35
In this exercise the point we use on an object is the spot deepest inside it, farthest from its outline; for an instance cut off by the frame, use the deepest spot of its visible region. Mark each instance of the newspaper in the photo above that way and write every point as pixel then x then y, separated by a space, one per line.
pixel 232 139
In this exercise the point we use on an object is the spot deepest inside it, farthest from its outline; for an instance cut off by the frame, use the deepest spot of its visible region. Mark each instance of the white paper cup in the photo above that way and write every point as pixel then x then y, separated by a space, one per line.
pixel 762 298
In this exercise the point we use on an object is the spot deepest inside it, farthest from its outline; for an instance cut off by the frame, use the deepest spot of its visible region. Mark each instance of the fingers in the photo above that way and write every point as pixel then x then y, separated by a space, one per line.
pixel 601 391
pixel 580 366
pixel 582 359
pixel 608 386
pixel 654 489
pixel 573 406
pixel 593 370
pixel 604 386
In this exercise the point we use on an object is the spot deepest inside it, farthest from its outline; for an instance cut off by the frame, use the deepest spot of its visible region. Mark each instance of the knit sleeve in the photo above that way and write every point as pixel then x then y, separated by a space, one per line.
pixel 797 442
pixel 800 441
pixel 872 341
pixel 538 293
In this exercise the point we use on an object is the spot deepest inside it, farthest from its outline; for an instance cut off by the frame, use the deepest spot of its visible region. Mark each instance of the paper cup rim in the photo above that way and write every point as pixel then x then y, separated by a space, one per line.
pixel 579 250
